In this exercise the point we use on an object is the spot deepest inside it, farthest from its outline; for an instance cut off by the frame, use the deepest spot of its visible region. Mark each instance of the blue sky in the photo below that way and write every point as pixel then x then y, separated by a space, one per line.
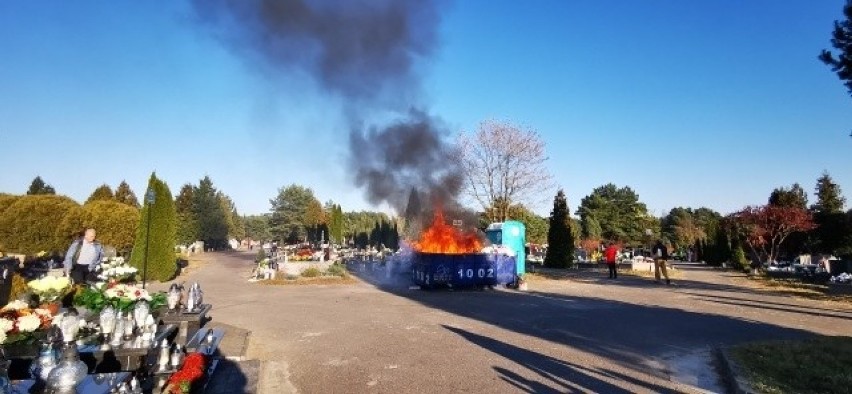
pixel 690 103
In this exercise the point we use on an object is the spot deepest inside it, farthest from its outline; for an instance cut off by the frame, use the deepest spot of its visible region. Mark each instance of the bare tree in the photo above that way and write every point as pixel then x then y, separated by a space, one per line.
pixel 504 164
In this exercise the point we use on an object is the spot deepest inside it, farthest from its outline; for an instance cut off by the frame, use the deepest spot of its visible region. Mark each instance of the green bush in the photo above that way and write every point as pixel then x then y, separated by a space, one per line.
pixel 162 264
pixel 29 225
pixel 6 201
pixel 114 222
pixel 261 254
pixel 740 261
pixel 311 272
pixel 337 270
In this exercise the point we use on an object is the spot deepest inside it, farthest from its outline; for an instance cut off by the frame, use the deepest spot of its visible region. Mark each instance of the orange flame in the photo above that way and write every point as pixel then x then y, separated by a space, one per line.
pixel 446 239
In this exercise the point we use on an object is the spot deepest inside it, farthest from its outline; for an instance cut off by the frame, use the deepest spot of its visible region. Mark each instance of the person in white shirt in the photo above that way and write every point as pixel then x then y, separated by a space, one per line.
pixel 83 257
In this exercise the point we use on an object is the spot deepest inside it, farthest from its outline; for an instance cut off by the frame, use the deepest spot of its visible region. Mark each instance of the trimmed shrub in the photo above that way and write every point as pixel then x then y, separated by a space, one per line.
pixel 162 263
pixel 337 270
pixel 261 254
pixel 29 225
pixel 6 200
pixel 114 222
pixel 311 272
pixel 19 287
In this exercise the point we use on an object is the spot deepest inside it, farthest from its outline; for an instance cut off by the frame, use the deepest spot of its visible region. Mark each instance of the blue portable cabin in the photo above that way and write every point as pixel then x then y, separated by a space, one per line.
pixel 513 235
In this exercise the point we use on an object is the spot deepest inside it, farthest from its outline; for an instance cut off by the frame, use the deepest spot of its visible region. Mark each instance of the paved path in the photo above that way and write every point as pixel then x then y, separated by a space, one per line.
pixel 585 334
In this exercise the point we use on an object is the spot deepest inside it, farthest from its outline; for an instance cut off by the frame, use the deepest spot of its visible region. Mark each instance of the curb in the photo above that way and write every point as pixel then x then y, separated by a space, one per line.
pixel 733 373
pixel 243 350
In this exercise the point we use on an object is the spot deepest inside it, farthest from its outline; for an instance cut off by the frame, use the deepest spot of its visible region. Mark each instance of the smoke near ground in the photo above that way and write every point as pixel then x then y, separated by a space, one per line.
pixel 369 55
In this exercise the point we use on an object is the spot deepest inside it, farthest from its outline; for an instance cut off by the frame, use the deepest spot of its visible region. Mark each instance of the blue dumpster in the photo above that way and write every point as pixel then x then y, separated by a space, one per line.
pixel 431 270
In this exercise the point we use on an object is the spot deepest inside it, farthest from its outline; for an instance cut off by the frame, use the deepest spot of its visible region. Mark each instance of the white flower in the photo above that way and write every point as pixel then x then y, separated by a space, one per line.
pixel 42 312
pixel 28 323
pixel 6 325
pixel 57 320
pixel 2 336
pixel 49 283
pixel 16 305
pixel 57 283
pixel 37 285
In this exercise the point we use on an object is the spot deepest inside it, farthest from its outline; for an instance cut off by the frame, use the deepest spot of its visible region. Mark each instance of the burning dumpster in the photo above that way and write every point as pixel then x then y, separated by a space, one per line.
pixel 430 270
pixel 446 256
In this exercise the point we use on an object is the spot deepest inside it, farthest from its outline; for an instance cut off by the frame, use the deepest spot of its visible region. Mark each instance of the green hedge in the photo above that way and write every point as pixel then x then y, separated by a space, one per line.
pixel 114 222
pixel 29 225
pixel 162 263
pixel 6 201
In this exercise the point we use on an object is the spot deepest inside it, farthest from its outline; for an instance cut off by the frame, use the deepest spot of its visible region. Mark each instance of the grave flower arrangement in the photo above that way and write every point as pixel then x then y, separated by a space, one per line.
pixel 121 296
pixel 19 322
pixel 116 269
pixel 189 376
pixel 50 288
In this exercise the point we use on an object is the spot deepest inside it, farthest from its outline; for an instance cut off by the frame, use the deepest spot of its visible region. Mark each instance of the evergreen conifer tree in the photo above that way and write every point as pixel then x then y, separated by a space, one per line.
pixel 560 251
pixel 160 240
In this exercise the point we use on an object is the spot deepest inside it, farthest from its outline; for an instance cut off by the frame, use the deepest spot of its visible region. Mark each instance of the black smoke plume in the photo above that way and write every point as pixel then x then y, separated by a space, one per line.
pixel 368 53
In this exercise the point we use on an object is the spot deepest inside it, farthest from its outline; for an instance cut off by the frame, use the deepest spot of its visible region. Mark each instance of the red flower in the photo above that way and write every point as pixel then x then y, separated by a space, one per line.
pixel 192 370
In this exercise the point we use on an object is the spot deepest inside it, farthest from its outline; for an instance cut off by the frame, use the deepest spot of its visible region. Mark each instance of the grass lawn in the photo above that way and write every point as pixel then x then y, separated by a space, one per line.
pixel 795 288
pixel 558 274
pixel 320 280
pixel 821 365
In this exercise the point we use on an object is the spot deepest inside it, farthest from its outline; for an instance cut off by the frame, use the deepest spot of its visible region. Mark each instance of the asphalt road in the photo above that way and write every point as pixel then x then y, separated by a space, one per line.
pixel 585 334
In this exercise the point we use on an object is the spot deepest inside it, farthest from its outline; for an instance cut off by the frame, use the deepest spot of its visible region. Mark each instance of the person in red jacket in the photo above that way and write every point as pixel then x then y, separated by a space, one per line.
pixel 610 254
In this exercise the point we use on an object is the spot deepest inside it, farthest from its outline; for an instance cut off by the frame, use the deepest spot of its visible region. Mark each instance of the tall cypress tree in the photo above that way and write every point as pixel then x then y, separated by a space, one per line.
pixel 560 240
pixel 187 227
pixel 207 211
pixel 832 225
pixel 163 227
pixel 337 222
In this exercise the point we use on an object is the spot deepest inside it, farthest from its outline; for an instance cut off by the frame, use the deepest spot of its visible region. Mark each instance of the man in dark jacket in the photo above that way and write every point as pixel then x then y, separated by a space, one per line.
pixel 661 255
pixel 83 257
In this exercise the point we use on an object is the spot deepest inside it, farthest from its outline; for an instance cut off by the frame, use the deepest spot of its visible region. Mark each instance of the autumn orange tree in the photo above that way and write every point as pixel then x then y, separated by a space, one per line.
pixel 765 228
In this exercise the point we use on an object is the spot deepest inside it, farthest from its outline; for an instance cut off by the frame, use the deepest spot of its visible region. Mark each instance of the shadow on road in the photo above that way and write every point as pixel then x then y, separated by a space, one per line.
pixel 562 375
pixel 627 334
pixel 836 313
pixel 633 281
pixel 768 307
pixel 230 379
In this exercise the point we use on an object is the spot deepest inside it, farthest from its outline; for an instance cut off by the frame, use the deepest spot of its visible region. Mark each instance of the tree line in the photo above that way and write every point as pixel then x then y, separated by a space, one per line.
pixel 782 228
pixel 296 215
pixel 207 214
pixel 42 221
